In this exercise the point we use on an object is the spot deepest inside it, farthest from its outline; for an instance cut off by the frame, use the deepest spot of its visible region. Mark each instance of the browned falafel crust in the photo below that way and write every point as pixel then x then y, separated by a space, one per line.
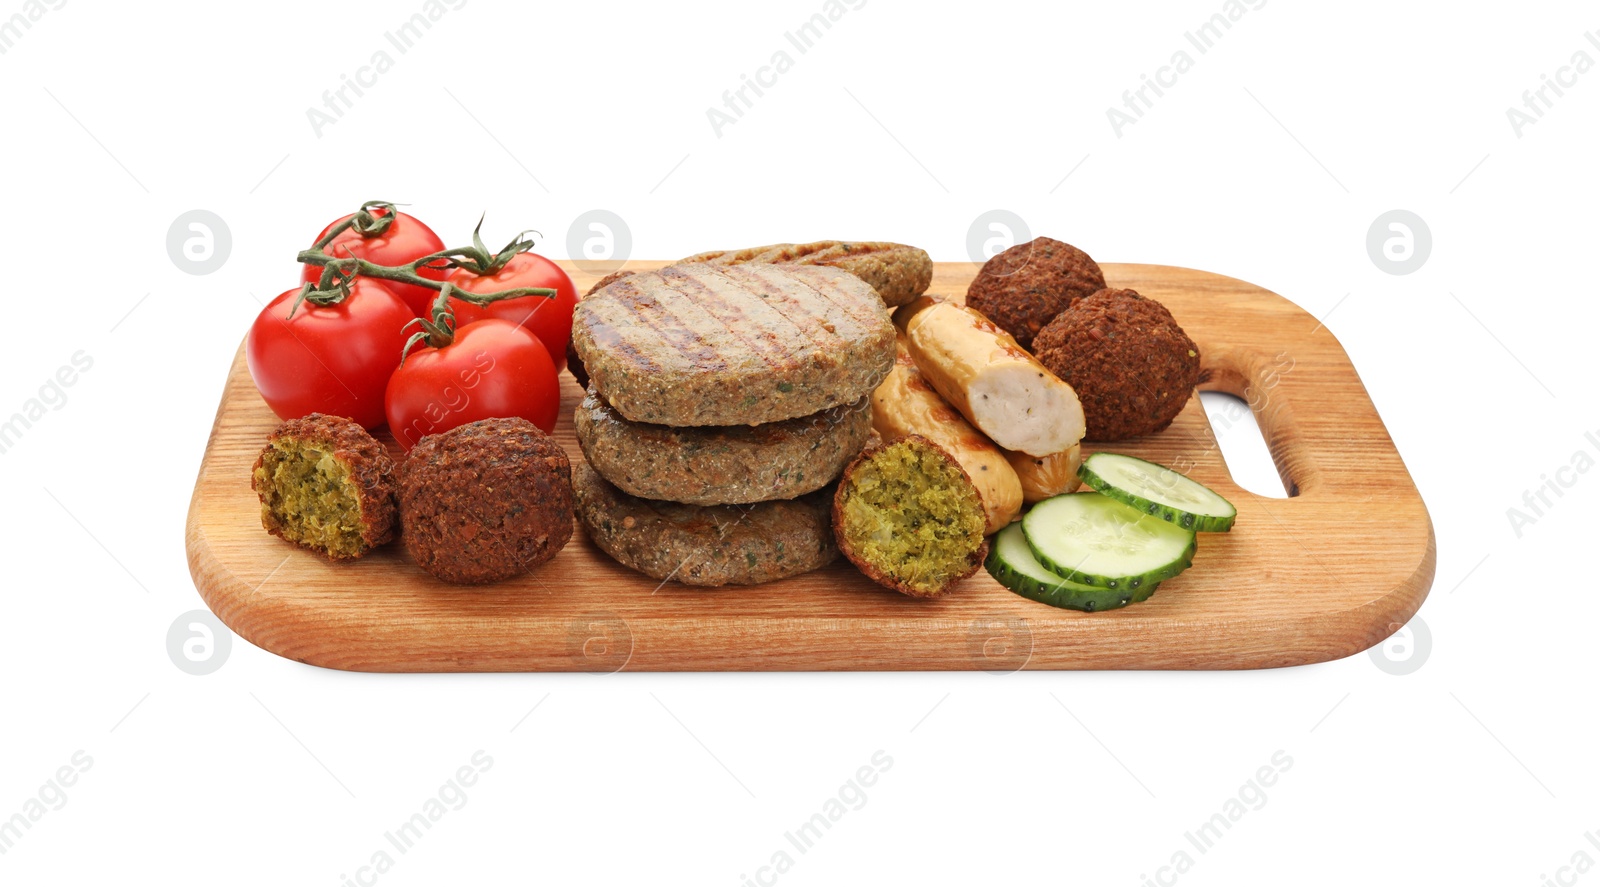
pixel 898 272
pixel 1026 286
pixel 705 344
pixel 574 362
pixel 369 479
pixel 721 464
pixel 706 544
pixel 486 501
pixel 902 535
pixel 1131 364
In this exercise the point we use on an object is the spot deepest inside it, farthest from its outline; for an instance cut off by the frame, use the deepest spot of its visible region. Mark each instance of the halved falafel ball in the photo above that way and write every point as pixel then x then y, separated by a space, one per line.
pixel 1026 286
pixel 486 501
pixel 325 484
pixel 1131 364
pixel 908 516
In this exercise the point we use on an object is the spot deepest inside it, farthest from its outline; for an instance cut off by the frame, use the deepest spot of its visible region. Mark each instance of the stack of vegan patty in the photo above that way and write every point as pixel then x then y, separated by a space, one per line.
pixel 722 402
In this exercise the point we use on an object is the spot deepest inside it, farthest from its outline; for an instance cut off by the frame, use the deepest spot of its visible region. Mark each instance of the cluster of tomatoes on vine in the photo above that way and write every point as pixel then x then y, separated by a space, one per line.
pixel 390 327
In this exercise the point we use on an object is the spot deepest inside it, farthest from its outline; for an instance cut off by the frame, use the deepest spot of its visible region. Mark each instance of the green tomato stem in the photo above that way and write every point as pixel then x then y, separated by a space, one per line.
pixel 333 286
pixel 439 332
pixel 365 221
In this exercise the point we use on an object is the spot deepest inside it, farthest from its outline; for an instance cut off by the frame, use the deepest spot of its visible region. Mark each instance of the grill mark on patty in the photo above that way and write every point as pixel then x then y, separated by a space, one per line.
pixel 608 336
pixel 811 337
pixel 807 310
pixel 851 318
pixel 863 314
pixel 736 313
pixel 697 326
pixel 652 315
pixel 810 252
pixel 783 325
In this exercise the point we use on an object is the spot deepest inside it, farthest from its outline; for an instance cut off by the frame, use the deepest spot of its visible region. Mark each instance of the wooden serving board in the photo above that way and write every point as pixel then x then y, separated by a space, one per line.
pixel 1324 574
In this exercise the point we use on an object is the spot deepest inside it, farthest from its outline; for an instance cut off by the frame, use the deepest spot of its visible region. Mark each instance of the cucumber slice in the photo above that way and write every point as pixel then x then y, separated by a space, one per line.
pixel 1095 540
pixel 1012 564
pixel 1159 491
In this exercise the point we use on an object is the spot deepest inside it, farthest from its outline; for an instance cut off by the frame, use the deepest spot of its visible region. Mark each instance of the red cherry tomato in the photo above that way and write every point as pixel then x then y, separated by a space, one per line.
pixel 405 240
pixel 493 369
pixel 334 359
pixel 549 319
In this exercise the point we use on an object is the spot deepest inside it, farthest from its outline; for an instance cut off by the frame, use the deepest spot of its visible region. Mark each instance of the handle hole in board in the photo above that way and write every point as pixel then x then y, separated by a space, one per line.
pixel 1244 448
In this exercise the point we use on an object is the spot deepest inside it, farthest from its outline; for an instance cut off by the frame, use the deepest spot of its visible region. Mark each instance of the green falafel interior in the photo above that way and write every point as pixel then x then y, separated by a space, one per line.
pixel 309 498
pixel 912 514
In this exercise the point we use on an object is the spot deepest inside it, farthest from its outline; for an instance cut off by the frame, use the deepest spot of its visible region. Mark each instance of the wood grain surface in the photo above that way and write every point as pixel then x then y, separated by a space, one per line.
pixel 1324 574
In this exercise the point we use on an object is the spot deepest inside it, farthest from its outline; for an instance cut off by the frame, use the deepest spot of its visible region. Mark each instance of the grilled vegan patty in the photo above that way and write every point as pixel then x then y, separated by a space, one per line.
pixel 898 272
pixel 706 544
pixel 700 344
pixel 721 464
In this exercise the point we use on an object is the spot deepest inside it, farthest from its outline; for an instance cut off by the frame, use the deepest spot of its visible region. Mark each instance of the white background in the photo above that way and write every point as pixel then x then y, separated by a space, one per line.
pixel 1268 161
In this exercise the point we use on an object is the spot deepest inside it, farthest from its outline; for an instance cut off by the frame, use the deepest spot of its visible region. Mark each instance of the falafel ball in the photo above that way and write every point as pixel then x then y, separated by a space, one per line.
pixel 327 485
pixel 1026 286
pixel 1131 364
pixel 909 517
pixel 574 362
pixel 486 501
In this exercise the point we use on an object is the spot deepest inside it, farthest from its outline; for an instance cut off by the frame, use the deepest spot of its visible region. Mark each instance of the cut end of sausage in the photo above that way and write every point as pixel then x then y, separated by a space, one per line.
pixel 1023 407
